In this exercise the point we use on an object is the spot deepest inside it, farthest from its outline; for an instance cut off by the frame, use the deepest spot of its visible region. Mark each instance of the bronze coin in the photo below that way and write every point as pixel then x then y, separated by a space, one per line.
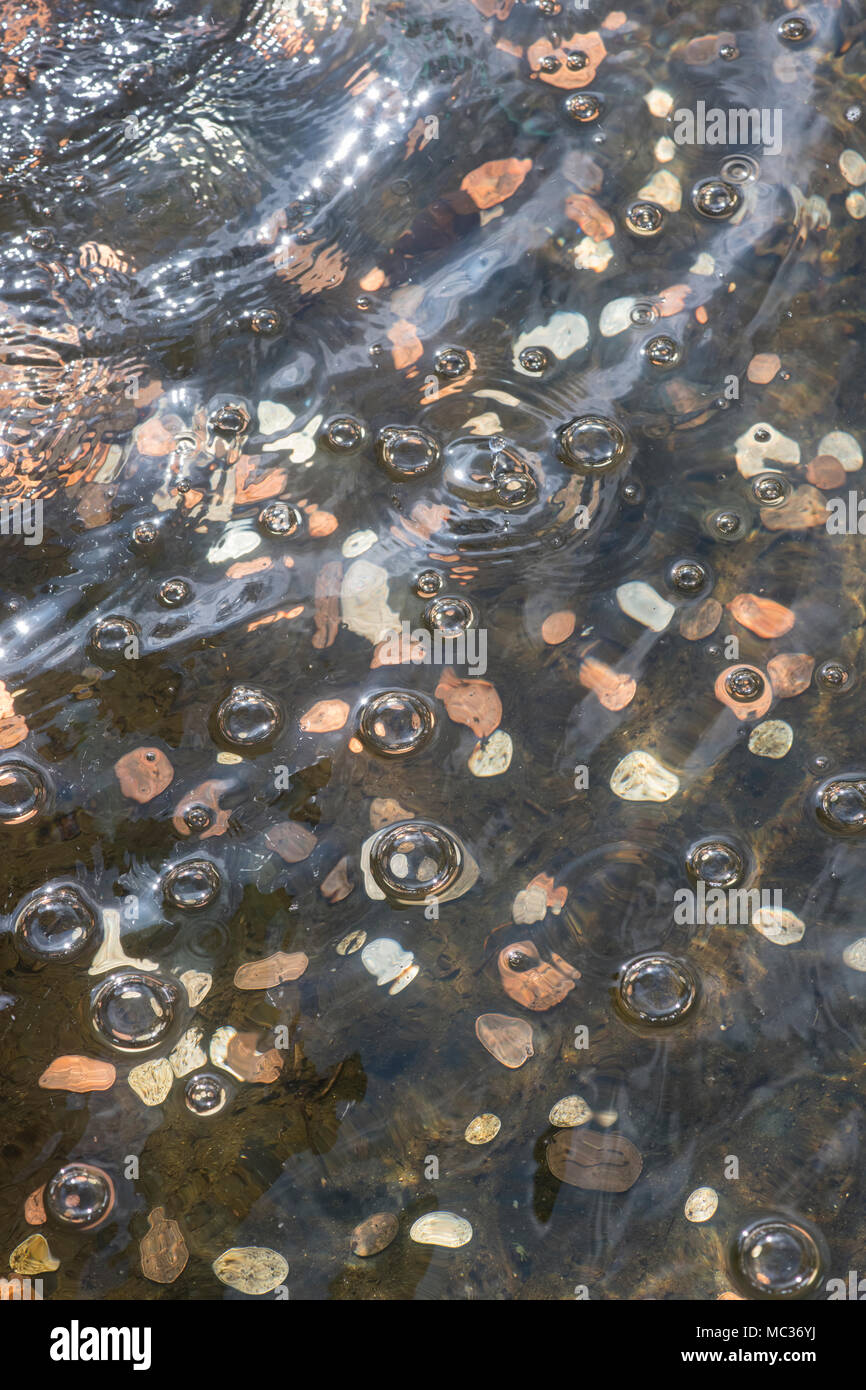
pixel 375 1234
pixel 597 1162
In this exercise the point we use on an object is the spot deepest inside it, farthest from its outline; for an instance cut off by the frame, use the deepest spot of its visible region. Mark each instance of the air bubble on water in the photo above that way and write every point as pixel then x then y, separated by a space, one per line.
pixel 644 219
pixel 198 818
pixel 740 168
pixel 192 884
pixel 248 717
pixel 79 1195
pixel 451 364
pixel 23 792
pixel 406 453
pixel 204 1094
pixel 744 685
pixel 515 486
pixel 583 106
pixel 632 492
pixel 144 536
pixel 840 804
pixel 230 420
pixel 775 1257
pixel 450 616
pixel 718 862
pixel 133 1011
pixel 266 322
pixel 41 238
pixel 656 990
pixel 136 76
pixel 344 433
pixel 642 312
pixel 428 583
pixel 727 525
pixel 592 444
pixel 794 29
pixel 771 489
pixel 715 198
pixel 57 924
pixel 533 359
pixel 174 593
pixel 414 860
pixel 395 723
pixel 280 520
pixel 662 351
pixel 111 637
pixel 688 577
pixel 835 676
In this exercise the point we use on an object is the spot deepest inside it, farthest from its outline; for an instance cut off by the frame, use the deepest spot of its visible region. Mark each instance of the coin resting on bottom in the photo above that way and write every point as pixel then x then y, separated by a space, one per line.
pixel 596 1162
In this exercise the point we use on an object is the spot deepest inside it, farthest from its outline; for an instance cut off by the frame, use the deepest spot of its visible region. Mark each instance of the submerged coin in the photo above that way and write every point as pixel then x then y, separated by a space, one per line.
pixel 272 970
pixel 597 1162
pixel 33 1256
pixel 441 1228
pixel 152 1081
pixel 507 1039
pixel 163 1250
pixel 374 1235
pixel 253 1269
pixel 483 1129
pixel 570 1112
pixel 80 1074
pixel 701 1204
